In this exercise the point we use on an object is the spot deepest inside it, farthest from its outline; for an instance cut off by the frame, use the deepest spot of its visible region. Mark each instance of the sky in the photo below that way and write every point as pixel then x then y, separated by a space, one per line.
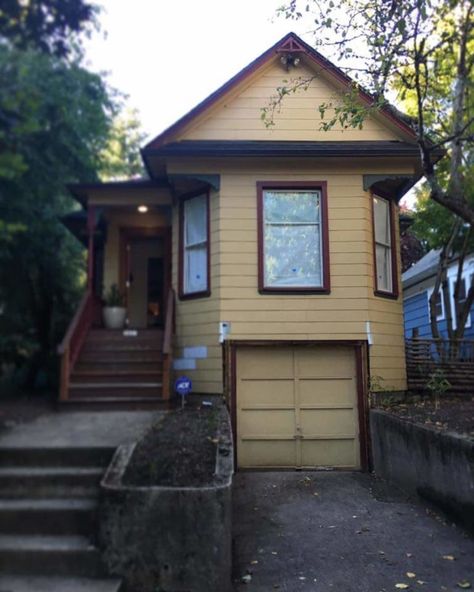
pixel 167 56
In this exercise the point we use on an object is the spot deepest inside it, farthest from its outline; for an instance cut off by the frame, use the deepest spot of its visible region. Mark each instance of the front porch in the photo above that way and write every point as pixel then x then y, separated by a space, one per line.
pixel 126 228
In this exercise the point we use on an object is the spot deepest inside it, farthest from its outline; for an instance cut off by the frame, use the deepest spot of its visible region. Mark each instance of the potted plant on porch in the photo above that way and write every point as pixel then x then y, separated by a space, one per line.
pixel 114 312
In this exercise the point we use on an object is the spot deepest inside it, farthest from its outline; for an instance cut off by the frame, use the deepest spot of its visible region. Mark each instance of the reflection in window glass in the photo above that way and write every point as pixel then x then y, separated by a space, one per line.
pixel 292 238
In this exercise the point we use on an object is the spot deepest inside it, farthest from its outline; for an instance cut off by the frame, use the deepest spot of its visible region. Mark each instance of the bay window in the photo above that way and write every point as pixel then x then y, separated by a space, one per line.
pixel 194 246
pixel 385 261
pixel 293 250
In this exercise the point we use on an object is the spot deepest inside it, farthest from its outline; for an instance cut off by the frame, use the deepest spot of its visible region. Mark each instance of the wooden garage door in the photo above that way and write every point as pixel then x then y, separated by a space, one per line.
pixel 297 407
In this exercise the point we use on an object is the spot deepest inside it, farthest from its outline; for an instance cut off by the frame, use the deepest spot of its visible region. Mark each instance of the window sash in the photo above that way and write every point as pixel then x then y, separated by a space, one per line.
pixel 383 246
pixel 292 241
pixel 195 245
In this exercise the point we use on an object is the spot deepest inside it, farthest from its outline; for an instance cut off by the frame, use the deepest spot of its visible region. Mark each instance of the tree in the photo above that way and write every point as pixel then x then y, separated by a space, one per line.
pixel 50 26
pixel 419 52
pixel 56 118
pixel 121 157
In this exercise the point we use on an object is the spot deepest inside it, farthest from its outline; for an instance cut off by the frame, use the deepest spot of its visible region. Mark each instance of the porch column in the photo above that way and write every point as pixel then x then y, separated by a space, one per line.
pixel 90 247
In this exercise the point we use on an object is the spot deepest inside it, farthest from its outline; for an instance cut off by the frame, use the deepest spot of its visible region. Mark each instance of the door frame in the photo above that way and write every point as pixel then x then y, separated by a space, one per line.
pixel 128 233
pixel 362 373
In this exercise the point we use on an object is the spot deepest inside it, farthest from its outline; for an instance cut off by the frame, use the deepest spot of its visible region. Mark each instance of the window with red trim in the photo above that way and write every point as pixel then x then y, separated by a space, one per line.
pixel 293 238
pixel 194 246
pixel 384 248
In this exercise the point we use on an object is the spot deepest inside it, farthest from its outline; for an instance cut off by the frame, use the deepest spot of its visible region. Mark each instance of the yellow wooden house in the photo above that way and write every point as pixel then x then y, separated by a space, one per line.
pixel 260 262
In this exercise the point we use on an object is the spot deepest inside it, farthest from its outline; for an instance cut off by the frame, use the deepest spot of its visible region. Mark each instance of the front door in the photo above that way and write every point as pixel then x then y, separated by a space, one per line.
pixel 145 282
pixel 145 274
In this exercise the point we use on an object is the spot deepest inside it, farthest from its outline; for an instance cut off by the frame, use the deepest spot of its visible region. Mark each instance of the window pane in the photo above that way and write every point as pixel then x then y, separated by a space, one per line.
pixel 291 207
pixel 292 256
pixel 381 221
pixel 195 265
pixel 195 217
pixel 384 268
pixel 438 305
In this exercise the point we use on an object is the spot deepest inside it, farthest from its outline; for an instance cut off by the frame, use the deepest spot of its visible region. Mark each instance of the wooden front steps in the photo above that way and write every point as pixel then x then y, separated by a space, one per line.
pixel 122 369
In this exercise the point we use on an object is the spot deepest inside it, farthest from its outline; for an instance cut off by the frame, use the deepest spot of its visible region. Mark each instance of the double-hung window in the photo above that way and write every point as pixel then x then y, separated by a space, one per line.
pixel 385 263
pixel 194 243
pixel 293 250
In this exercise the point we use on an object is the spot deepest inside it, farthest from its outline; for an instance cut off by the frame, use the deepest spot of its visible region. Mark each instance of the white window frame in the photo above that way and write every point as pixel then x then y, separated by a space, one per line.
pixel 185 248
pixel 392 291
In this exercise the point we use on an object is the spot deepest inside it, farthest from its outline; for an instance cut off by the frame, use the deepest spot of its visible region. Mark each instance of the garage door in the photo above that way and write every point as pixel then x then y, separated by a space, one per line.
pixel 297 407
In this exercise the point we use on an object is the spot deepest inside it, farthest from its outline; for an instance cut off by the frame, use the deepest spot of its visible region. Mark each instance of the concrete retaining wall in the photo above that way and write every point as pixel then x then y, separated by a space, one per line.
pixel 169 539
pixel 436 465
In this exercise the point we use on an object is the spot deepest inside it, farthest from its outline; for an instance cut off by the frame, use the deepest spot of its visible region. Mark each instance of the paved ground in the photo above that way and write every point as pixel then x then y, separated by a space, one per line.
pixel 79 428
pixel 302 532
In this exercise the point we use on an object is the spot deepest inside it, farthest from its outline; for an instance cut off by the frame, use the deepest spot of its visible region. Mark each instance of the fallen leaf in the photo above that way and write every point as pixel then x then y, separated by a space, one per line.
pixel 274 553
pixel 402 586
pixel 254 562
pixel 410 574
pixel 464 584
pixel 449 557
pixel 246 579
pixel 315 493
pixel 302 578
pixel 409 555
pixel 421 582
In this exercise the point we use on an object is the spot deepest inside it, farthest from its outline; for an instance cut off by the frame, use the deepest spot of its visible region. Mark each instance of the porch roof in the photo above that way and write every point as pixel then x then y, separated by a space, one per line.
pixel 81 191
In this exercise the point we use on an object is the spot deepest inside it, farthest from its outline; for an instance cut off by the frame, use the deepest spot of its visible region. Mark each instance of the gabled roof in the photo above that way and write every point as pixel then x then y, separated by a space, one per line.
pixel 289 43
pixel 422 270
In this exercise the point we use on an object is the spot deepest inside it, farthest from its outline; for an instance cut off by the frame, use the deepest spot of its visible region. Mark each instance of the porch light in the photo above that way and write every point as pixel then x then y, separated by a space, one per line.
pixel 142 209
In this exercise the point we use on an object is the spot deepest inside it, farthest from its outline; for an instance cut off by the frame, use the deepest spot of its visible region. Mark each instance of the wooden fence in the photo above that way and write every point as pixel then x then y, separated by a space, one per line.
pixel 455 358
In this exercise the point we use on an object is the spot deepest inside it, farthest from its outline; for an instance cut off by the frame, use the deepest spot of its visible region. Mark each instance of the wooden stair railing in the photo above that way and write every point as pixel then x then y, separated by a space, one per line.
pixel 73 340
pixel 168 345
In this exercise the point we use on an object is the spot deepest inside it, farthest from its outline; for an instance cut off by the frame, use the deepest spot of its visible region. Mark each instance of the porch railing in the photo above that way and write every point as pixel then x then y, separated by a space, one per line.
pixel 455 358
pixel 73 340
pixel 168 344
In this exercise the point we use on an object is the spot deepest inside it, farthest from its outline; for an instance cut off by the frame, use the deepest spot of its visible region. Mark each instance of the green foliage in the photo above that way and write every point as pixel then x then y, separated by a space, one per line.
pixel 421 52
pixel 54 122
pixel 50 26
pixel 121 157
pixel 438 385
pixel 114 297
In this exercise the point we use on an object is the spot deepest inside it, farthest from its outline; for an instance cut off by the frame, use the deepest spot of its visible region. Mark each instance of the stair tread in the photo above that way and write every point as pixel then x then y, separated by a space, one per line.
pixel 100 370
pixel 16 583
pixel 45 543
pixel 104 399
pixel 34 504
pixel 118 385
pixel 50 471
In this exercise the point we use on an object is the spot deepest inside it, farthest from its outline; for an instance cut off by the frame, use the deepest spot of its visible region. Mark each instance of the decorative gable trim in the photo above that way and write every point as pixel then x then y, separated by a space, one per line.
pixel 289 43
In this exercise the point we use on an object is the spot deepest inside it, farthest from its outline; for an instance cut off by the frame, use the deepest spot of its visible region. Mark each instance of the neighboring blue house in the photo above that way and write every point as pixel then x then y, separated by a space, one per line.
pixel 418 283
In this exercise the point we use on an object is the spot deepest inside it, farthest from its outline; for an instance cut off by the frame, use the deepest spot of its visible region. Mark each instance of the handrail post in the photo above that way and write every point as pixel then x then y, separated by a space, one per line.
pixel 64 376
pixel 90 247
pixel 167 345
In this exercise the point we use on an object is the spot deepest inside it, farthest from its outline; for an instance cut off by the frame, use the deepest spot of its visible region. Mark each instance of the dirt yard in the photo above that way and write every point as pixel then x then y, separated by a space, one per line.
pixel 178 450
pixel 453 414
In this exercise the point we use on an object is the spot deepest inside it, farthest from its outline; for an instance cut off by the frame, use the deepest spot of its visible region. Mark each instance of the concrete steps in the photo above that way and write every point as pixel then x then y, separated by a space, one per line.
pixel 53 482
pixel 58 555
pixel 48 519
pixel 14 583
pixel 57 584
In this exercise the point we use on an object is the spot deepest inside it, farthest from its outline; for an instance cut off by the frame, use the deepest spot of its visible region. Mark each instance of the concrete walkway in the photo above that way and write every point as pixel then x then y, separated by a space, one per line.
pixel 101 429
pixel 302 532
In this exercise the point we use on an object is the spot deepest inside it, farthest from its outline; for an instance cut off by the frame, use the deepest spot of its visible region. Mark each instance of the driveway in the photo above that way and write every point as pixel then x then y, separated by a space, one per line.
pixel 320 531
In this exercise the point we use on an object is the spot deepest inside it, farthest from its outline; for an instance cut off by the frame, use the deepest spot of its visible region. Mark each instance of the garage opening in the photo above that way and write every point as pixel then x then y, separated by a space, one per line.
pixel 297 407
